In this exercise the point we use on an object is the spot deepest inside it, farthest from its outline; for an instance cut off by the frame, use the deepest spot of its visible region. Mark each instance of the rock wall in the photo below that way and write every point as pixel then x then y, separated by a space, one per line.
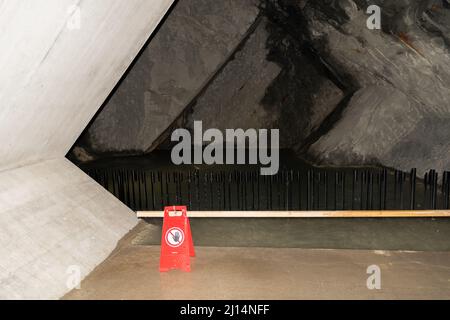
pixel 398 117
pixel 235 49
pixel 189 48
pixel 340 93
pixel 269 84
pixel 243 81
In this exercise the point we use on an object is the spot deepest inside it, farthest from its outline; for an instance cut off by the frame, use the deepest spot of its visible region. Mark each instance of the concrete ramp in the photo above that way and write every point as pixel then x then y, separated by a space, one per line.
pixel 59 60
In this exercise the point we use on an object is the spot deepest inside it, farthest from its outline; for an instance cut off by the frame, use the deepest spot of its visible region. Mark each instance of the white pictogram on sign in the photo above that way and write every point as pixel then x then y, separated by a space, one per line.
pixel 174 237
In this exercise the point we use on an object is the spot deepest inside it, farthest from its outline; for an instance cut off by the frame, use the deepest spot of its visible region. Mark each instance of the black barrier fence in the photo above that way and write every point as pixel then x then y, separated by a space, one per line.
pixel 313 189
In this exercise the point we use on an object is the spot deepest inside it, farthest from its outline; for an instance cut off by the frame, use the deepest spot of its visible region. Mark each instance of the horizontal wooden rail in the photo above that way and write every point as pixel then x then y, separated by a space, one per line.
pixel 306 214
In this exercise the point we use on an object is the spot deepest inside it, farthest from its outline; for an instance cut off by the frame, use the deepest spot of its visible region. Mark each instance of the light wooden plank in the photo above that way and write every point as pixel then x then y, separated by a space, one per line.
pixel 306 214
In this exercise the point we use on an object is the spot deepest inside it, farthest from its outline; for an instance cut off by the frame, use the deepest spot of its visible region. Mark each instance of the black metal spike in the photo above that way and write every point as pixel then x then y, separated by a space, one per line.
pixel 325 193
pixel 412 181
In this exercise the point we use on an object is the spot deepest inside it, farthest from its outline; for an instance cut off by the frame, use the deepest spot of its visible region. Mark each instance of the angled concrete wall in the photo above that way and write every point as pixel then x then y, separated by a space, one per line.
pixel 55 221
pixel 54 78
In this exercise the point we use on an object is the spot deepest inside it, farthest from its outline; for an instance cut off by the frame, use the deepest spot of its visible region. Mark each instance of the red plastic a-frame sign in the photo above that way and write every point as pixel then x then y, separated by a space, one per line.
pixel 176 242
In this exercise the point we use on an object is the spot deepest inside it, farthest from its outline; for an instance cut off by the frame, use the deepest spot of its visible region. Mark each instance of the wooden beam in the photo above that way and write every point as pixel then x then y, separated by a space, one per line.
pixel 306 214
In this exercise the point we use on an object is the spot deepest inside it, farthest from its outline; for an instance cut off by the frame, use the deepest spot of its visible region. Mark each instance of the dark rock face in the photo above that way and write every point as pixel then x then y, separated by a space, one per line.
pixel 266 81
pixel 191 45
pixel 269 84
pixel 340 93
pixel 302 95
pixel 373 122
pixel 396 118
pixel 243 81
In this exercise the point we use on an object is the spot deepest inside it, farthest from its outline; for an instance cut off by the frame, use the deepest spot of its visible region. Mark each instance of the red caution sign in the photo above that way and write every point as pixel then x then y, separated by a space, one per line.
pixel 176 243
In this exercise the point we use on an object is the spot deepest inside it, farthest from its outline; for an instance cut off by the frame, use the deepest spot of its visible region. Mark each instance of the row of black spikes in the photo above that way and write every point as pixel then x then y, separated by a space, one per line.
pixel 313 189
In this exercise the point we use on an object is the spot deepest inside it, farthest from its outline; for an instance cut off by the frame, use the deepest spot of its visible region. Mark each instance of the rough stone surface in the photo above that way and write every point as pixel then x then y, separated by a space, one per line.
pixel 267 85
pixel 243 81
pixel 374 122
pixel 296 71
pixel 398 117
pixel 192 44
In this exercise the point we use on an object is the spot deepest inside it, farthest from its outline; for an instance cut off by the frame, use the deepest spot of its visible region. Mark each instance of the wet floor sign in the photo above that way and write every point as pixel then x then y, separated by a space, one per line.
pixel 176 242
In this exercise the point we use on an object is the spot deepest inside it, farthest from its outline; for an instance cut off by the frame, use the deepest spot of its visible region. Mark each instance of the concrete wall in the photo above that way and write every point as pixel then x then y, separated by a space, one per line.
pixel 53 80
pixel 54 220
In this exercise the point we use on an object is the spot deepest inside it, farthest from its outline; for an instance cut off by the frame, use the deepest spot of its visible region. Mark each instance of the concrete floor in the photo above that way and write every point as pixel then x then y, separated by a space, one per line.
pixel 131 272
